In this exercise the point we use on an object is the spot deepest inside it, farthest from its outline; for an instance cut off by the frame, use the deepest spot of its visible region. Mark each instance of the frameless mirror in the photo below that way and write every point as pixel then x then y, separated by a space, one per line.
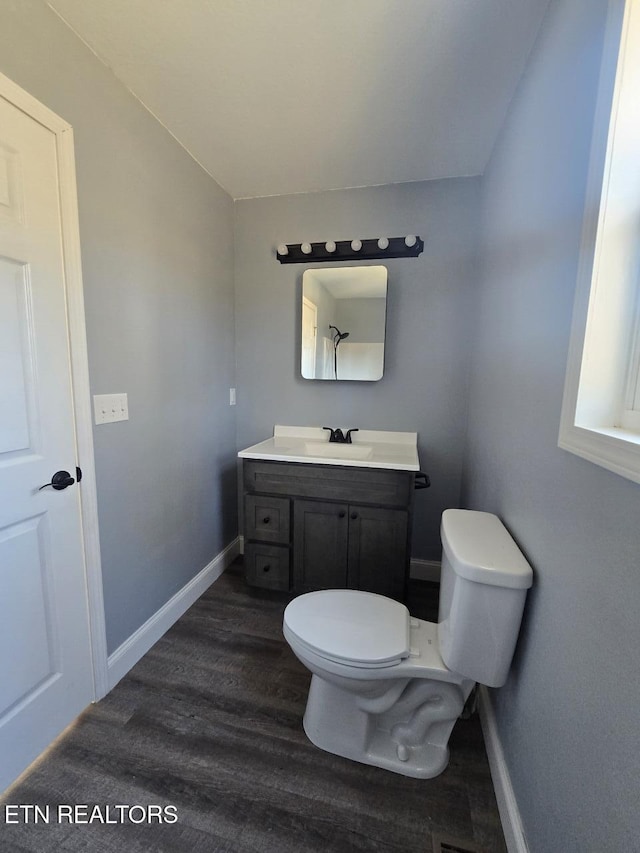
pixel 343 323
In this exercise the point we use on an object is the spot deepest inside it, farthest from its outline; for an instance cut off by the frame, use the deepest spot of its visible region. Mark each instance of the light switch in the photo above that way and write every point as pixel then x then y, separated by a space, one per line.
pixel 109 408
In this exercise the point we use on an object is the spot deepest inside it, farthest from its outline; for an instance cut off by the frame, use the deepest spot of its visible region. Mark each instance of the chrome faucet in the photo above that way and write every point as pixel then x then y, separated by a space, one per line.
pixel 336 435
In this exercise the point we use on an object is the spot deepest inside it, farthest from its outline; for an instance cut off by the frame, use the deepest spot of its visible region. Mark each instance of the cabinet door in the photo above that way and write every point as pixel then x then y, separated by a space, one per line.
pixel 320 532
pixel 378 550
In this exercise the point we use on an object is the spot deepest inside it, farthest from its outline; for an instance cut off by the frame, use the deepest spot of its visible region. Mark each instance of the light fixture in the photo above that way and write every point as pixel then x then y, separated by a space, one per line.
pixel 378 248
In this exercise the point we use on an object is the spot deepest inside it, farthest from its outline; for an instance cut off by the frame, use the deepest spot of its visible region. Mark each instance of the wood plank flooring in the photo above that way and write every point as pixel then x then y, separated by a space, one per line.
pixel 210 721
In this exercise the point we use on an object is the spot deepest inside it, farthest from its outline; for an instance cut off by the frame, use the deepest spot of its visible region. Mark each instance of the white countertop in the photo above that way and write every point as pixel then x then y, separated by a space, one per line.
pixel 369 448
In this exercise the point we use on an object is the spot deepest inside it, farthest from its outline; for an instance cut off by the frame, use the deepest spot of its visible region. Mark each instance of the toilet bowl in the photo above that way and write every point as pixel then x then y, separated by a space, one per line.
pixel 387 689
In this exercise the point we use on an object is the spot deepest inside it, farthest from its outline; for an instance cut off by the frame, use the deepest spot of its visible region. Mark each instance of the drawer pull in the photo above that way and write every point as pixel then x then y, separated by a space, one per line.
pixel 341 514
pixel 266 519
pixel 266 568
pixel 354 515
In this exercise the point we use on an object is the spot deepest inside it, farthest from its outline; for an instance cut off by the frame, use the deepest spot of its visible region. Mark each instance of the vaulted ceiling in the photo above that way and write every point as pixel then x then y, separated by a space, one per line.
pixel 286 96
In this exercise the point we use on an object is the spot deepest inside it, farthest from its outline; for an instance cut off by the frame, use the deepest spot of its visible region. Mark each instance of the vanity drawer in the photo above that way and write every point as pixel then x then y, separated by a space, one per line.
pixel 267 518
pixel 378 486
pixel 267 565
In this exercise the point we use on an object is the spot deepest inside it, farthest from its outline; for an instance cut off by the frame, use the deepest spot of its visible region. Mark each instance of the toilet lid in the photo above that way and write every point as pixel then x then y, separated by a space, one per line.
pixel 350 626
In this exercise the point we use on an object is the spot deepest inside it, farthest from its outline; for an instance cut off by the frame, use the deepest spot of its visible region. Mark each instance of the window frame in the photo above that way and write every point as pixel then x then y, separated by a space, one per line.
pixel 599 420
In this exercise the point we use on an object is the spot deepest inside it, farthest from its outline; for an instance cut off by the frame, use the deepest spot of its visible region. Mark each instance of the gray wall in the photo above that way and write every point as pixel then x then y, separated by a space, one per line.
pixel 157 252
pixel 428 317
pixel 364 319
pixel 568 717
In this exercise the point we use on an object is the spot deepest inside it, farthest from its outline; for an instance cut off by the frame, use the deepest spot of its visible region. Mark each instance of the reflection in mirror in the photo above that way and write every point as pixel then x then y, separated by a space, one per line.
pixel 343 323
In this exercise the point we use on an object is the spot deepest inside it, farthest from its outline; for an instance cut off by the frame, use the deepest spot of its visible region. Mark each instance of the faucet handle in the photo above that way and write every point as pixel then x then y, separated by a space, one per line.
pixel 348 435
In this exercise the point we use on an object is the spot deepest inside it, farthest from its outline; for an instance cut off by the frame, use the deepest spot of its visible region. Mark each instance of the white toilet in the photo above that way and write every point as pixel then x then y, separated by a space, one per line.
pixel 387 689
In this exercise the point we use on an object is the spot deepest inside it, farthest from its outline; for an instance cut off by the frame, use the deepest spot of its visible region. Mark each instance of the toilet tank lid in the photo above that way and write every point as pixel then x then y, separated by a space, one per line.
pixel 480 549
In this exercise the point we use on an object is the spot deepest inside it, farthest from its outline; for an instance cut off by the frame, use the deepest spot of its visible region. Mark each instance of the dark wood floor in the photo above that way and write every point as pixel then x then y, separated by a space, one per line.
pixel 209 721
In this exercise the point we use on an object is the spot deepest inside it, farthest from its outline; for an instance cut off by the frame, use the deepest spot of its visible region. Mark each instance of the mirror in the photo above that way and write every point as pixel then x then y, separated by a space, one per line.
pixel 343 323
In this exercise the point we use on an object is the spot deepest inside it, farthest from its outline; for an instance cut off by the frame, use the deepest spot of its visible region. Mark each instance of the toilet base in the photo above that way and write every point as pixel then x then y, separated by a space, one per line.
pixel 410 737
pixel 425 763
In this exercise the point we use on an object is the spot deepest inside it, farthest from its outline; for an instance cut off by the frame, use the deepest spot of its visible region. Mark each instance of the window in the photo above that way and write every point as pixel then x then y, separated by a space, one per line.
pixel 601 407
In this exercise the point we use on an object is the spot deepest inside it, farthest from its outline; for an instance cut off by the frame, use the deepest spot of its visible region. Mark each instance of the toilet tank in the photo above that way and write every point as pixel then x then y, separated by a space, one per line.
pixel 483 586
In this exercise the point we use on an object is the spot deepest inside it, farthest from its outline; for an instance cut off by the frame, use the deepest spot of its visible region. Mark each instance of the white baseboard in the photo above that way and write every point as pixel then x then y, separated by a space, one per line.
pixel 425 570
pixel 138 644
pixel 507 803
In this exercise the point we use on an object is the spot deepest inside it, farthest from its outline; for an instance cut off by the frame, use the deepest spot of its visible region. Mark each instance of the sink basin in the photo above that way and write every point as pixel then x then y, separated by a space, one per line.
pixel 333 450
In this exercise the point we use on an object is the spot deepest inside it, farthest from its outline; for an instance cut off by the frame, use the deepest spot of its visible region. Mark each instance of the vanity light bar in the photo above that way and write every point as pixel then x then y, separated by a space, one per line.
pixel 351 250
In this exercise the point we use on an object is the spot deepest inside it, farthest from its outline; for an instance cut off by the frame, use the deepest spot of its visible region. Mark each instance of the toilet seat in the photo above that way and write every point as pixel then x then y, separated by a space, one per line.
pixel 350 627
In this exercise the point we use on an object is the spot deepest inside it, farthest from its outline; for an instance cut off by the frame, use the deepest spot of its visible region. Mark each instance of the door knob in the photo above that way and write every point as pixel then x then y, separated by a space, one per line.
pixel 59 481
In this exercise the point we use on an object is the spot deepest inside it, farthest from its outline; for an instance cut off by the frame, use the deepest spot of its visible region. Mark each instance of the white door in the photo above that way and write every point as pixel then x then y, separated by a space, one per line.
pixel 309 336
pixel 46 675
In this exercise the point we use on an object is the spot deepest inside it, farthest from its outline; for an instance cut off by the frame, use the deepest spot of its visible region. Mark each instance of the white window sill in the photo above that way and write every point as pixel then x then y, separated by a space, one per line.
pixel 617 450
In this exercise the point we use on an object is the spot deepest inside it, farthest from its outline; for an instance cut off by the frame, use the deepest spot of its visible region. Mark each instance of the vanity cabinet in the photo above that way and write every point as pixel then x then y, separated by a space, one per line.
pixel 310 526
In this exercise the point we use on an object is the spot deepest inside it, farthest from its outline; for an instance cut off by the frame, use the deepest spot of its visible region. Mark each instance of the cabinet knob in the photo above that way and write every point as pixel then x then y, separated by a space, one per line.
pixel 354 515
pixel 266 519
pixel 341 514
pixel 266 568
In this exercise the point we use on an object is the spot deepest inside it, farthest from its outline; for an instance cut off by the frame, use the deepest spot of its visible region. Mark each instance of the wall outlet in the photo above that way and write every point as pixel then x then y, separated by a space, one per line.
pixel 232 396
pixel 109 408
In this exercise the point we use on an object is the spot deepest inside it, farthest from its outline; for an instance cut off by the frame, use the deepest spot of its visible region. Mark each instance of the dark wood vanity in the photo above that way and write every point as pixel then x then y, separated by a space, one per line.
pixel 316 526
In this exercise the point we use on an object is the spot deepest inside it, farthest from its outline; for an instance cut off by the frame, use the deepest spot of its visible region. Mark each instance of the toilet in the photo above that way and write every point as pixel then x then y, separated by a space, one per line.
pixel 387 689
